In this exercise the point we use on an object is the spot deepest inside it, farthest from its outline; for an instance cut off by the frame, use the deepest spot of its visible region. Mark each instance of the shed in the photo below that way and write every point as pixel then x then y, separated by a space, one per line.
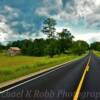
pixel 12 51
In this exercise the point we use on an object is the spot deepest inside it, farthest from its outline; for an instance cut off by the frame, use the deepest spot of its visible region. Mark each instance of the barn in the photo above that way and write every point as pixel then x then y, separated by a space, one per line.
pixel 13 51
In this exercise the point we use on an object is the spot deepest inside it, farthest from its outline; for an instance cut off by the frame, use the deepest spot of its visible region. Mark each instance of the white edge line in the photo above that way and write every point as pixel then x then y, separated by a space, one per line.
pixel 52 70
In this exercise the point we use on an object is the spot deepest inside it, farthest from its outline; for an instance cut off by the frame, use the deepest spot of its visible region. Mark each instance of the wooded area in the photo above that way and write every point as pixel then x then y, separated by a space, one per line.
pixel 55 43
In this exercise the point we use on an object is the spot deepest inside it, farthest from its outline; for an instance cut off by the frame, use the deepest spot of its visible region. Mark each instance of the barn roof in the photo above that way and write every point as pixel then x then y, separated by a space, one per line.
pixel 15 48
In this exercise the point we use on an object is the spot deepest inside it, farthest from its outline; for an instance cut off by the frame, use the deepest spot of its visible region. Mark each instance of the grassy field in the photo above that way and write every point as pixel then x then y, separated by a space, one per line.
pixel 17 66
pixel 97 53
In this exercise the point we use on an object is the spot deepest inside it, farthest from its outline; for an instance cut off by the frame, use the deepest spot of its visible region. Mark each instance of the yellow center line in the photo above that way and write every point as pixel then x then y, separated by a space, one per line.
pixel 81 81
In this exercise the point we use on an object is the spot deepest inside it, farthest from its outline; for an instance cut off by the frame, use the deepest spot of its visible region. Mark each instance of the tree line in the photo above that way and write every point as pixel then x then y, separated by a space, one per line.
pixel 55 43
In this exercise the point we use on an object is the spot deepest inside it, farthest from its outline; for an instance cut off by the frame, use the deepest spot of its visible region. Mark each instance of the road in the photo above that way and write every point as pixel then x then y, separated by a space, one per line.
pixel 91 86
pixel 61 84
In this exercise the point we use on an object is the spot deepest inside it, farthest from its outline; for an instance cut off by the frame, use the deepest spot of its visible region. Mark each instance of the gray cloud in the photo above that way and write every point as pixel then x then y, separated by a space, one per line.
pixel 73 10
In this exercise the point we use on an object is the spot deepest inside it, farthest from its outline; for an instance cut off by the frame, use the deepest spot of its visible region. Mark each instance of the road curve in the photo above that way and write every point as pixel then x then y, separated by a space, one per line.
pixel 60 84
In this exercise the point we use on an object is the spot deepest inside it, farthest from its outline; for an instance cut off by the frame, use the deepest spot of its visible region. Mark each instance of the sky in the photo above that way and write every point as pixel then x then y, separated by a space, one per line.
pixel 23 19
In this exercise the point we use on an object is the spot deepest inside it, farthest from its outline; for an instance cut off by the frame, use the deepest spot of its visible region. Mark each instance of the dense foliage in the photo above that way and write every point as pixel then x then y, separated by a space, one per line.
pixel 79 47
pixel 95 46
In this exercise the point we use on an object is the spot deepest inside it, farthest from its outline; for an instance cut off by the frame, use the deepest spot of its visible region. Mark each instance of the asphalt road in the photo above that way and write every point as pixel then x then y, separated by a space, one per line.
pixel 61 84
pixel 91 87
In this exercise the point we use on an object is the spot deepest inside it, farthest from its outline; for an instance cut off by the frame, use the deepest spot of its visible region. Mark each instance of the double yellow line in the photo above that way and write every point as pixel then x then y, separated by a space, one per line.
pixel 77 93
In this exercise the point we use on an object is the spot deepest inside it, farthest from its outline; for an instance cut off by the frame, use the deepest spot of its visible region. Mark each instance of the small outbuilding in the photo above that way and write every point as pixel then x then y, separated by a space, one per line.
pixel 13 51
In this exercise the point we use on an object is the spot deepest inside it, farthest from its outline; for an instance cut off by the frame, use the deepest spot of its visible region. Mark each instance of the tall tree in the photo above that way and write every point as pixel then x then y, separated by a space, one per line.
pixel 49 27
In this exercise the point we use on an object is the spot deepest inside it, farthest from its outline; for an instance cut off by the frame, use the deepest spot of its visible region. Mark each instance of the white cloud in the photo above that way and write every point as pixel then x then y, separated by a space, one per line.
pixel 59 28
pixel 89 37
pixel 42 11
pixel 97 2
pixel 7 33
pixel 2 37
pixel 4 27
pixel 13 12
pixel 49 6
pixel 8 8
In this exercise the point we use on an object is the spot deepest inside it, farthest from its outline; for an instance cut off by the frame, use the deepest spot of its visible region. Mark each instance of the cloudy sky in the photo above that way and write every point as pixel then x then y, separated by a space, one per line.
pixel 21 19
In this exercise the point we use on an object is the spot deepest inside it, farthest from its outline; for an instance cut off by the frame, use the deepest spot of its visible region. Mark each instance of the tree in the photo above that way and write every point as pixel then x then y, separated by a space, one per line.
pixel 79 47
pixel 65 40
pixel 95 46
pixel 49 27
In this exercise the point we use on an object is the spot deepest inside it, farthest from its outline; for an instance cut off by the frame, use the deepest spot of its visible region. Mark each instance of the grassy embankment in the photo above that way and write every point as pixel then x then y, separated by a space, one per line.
pixel 97 53
pixel 17 66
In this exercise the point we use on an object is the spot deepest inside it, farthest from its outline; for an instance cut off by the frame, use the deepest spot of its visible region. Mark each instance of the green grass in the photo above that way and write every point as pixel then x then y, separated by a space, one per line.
pixel 17 66
pixel 97 53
